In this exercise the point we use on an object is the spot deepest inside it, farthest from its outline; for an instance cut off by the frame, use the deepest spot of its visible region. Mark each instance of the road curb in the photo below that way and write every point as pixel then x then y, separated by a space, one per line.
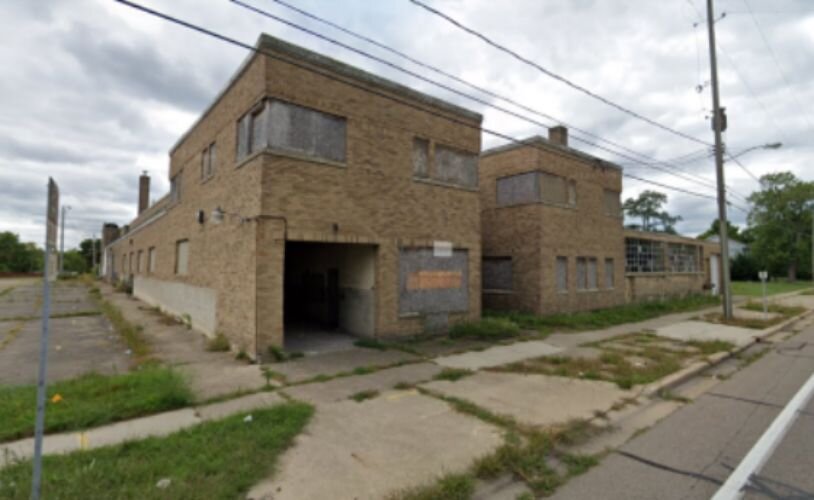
pixel 681 376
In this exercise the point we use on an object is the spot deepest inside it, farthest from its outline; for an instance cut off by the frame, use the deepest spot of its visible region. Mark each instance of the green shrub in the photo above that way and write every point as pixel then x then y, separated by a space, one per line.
pixel 218 343
pixel 486 329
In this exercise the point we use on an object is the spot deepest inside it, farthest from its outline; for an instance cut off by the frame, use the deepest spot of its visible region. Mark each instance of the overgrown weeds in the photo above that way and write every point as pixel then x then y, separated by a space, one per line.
pixel 218 343
pixel 488 328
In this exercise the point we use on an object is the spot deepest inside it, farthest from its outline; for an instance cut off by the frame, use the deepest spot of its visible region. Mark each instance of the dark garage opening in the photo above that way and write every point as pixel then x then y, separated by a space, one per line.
pixel 329 295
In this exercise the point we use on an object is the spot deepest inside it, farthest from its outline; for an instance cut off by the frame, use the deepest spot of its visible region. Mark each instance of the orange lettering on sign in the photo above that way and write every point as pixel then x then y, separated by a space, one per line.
pixel 434 280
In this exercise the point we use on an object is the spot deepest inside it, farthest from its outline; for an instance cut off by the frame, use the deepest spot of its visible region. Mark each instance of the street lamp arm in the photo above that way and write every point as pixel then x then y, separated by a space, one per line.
pixel 773 145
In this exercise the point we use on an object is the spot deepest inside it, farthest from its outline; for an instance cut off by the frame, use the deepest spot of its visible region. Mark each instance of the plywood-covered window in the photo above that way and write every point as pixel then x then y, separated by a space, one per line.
pixel 138 261
pixel 610 203
pixel 557 190
pixel 455 167
pixel 586 273
pixel 562 274
pixel 497 273
pixel 609 274
pixel 175 188
pixel 421 157
pixel 208 159
pixel 151 260
pixel 518 189
pixel 182 257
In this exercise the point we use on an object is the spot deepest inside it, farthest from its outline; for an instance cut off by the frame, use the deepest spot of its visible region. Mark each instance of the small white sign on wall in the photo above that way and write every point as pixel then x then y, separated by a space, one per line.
pixel 442 249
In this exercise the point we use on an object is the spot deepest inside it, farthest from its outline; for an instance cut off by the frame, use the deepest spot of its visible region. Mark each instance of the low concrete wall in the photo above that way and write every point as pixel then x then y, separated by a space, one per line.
pixel 648 286
pixel 180 299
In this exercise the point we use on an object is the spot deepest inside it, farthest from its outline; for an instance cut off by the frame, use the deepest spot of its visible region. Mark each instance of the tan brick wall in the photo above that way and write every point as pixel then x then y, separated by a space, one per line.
pixel 372 198
pixel 534 235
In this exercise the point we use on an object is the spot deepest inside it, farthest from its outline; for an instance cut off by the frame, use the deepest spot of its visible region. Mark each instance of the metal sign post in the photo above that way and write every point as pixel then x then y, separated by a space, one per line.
pixel 764 275
pixel 50 248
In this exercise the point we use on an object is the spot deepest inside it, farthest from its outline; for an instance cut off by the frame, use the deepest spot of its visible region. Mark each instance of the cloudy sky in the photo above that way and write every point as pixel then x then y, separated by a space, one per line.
pixel 93 92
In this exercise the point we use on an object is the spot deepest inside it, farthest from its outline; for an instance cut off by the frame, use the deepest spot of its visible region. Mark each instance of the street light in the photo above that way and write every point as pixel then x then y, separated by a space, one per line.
pixel 62 241
pixel 772 145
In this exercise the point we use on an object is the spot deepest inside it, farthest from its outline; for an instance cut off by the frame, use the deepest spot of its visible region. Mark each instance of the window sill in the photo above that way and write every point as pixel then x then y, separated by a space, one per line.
pixel 588 290
pixel 207 178
pixel 292 155
pixel 433 182
pixel 498 292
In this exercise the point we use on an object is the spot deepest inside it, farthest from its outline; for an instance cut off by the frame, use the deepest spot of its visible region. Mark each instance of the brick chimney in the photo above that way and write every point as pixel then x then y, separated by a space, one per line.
pixel 558 135
pixel 110 232
pixel 143 192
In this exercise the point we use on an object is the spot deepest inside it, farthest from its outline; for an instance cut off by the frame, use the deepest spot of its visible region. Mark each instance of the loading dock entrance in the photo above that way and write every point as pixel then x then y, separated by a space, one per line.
pixel 329 294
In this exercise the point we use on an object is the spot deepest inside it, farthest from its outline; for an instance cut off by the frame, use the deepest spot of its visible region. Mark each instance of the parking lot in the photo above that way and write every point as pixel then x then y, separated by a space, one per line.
pixel 81 339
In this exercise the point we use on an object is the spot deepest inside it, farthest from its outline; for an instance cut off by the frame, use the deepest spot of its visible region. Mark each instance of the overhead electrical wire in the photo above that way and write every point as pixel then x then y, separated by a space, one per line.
pixel 381 94
pixel 556 76
pixel 669 170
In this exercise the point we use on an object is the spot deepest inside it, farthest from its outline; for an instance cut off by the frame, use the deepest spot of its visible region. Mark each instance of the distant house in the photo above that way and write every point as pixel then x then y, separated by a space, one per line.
pixel 735 247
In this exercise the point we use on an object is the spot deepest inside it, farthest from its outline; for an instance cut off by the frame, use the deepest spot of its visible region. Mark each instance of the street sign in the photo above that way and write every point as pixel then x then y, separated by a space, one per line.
pixel 764 275
pixel 51 219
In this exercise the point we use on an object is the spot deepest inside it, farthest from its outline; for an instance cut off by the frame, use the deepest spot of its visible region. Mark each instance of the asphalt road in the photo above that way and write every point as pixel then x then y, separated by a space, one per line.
pixel 691 453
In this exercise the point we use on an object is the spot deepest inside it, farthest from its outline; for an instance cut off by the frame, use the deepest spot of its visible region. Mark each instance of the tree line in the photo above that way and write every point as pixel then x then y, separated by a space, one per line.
pixel 26 257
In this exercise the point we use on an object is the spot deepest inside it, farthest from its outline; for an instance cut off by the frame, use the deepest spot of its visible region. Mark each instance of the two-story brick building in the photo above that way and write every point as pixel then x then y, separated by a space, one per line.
pixel 552 228
pixel 312 195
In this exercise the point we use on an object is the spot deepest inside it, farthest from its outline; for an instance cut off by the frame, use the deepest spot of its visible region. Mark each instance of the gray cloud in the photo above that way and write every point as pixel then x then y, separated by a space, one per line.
pixel 97 92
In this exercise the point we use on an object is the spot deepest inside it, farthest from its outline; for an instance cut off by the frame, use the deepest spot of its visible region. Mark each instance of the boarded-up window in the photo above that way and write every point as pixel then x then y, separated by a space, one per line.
pixel 497 273
pixel 175 188
pixel 582 273
pixel 592 274
pixel 421 157
pixel 138 261
pixel 130 263
pixel 562 274
pixel 609 273
pixel 557 190
pixel 208 158
pixel 433 284
pixel 611 204
pixel 151 260
pixel 307 131
pixel 518 189
pixel 455 167
pixel 182 257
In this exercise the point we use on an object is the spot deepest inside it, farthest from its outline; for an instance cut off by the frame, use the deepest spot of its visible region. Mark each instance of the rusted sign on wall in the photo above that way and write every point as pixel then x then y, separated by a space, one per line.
pixel 434 280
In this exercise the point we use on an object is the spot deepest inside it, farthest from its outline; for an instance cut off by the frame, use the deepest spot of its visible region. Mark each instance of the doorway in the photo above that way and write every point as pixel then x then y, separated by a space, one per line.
pixel 329 295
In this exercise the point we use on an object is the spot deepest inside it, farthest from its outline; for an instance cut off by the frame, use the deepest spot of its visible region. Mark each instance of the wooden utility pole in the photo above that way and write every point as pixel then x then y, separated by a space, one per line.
pixel 718 123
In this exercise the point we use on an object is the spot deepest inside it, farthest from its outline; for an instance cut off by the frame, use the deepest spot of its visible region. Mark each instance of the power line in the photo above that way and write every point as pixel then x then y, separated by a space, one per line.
pixel 446 74
pixel 382 94
pixel 555 75
pixel 776 62
pixel 683 175
pixel 742 166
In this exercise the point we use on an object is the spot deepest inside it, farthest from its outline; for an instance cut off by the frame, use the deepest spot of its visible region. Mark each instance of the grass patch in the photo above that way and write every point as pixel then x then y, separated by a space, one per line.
pixel 218 343
pixel 448 487
pixel 278 355
pixel 130 333
pixel 786 311
pixel 403 386
pixel 245 453
pixel 92 400
pixel 370 344
pixel 755 288
pixel 753 323
pixel 364 395
pixel 635 359
pixel 489 328
pixel 452 374
pixel 604 318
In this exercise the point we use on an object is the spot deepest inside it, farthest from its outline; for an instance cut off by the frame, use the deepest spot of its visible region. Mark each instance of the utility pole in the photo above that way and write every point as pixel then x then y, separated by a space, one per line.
pixel 717 124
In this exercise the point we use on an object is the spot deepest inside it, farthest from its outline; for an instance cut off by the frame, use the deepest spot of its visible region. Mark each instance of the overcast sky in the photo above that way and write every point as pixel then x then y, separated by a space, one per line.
pixel 93 92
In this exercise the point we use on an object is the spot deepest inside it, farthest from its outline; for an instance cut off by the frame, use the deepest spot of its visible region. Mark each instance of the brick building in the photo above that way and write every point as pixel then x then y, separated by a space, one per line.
pixel 659 265
pixel 552 228
pixel 312 196
pixel 553 236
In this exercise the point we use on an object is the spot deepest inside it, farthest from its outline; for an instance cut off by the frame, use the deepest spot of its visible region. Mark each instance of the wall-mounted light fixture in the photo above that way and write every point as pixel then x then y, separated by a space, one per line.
pixel 218 215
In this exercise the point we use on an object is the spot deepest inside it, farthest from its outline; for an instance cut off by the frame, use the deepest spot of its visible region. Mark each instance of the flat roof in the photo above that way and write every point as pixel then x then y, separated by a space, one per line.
pixel 269 44
pixel 538 140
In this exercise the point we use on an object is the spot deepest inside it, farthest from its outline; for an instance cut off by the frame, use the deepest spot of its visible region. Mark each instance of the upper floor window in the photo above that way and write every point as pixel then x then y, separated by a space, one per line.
pixel 534 187
pixel 175 188
pixel 455 167
pixel 610 203
pixel 288 127
pixel 421 157
pixel 208 158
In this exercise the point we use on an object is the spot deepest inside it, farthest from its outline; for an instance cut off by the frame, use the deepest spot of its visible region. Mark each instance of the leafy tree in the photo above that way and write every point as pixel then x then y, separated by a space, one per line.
pixel 75 261
pixel 18 257
pixel 732 231
pixel 780 222
pixel 86 249
pixel 648 207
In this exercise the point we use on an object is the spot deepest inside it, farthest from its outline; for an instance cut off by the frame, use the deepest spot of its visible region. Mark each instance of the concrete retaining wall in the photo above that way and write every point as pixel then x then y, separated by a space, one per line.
pixel 180 299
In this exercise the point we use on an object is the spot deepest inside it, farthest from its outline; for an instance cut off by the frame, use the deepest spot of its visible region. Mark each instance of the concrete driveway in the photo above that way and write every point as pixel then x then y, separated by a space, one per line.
pixel 81 339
